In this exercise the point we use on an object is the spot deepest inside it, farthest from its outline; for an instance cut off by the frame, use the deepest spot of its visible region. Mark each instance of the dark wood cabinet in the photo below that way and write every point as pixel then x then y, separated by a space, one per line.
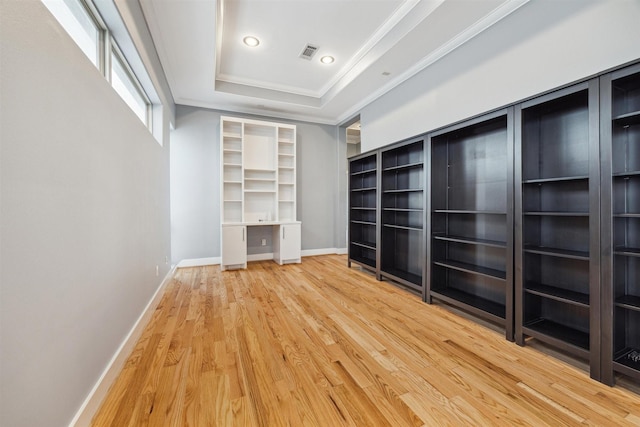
pixel 402 206
pixel 363 212
pixel 557 229
pixel 620 148
pixel 470 253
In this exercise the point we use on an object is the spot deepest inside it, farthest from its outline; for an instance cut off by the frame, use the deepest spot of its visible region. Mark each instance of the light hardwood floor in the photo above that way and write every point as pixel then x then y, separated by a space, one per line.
pixel 319 344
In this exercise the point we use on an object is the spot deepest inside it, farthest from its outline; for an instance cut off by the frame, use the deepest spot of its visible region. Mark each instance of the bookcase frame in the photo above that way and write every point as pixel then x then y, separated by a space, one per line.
pixel 620 166
pixel 470 221
pixel 402 213
pixel 363 217
pixel 557 221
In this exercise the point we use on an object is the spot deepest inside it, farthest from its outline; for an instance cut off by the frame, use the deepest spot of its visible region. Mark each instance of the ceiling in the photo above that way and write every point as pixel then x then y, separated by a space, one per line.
pixel 377 44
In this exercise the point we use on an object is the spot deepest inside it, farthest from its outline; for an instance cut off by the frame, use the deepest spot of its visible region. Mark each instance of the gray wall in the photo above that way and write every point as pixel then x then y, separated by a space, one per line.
pixel 84 219
pixel 515 59
pixel 195 185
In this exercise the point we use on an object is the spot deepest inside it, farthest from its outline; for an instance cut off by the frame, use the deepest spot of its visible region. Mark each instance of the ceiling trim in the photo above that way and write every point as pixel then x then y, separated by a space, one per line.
pixel 258 111
pixel 260 85
pixel 483 24
pixel 382 46
pixel 268 94
pixel 380 34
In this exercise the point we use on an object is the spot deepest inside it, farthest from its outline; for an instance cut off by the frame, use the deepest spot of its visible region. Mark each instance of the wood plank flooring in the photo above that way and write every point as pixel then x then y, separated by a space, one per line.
pixel 318 344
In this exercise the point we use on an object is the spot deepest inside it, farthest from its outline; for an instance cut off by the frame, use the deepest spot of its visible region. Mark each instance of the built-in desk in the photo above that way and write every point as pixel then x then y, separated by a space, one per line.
pixel 286 242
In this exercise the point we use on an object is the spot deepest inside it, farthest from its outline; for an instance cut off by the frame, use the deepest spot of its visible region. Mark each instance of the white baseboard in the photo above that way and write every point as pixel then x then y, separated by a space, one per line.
pixel 199 262
pixel 324 251
pixel 260 257
pixel 92 403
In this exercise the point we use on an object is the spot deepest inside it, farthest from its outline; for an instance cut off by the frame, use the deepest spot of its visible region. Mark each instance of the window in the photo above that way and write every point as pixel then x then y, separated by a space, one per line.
pixel 127 86
pixel 81 19
pixel 80 24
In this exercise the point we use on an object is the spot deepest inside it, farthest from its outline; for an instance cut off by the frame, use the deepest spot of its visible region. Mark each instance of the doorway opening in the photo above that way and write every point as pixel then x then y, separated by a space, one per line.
pixel 353 139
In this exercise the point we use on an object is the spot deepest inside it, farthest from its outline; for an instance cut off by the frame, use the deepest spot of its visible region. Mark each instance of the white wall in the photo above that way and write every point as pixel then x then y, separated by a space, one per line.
pixel 515 59
pixel 195 185
pixel 84 219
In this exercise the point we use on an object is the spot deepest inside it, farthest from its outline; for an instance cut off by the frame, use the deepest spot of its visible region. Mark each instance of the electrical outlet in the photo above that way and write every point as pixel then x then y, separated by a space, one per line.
pixel 157 271
pixel 264 242
pixel 166 260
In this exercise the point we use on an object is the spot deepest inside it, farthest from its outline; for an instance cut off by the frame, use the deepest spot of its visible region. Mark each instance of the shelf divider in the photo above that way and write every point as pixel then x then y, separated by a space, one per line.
pixel 629 302
pixel 470 240
pixel 473 269
pixel 559 335
pixel 477 305
pixel 563 253
pixel 558 294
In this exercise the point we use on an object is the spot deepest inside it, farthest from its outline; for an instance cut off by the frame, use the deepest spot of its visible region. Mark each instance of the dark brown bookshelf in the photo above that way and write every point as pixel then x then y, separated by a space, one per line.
pixel 363 208
pixel 471 218
pixel 557 237
pixel 402 213
pixel 620 164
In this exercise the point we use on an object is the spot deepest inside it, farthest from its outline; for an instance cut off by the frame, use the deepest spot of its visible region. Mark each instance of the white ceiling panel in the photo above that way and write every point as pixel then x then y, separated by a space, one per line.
pixel 284 27
pixel 199 43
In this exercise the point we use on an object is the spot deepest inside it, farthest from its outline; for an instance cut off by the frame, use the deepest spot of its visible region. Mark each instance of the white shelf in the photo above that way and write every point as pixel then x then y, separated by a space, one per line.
pixel 259 222
pixel 258 185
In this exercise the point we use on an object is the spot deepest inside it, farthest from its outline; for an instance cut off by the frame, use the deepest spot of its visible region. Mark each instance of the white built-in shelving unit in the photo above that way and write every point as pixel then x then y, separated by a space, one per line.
pixel 258 187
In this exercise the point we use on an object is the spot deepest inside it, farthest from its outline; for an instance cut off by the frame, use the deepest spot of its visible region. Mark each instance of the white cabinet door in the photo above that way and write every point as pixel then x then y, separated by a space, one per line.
pixel 234 246
pixel 290 242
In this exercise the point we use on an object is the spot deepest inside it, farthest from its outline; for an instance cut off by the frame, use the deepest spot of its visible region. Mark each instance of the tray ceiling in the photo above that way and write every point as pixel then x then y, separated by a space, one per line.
pixel 377 44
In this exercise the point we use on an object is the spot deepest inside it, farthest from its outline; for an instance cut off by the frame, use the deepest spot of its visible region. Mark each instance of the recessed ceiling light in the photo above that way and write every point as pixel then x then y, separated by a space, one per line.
pixel 251 41
pixel 327 59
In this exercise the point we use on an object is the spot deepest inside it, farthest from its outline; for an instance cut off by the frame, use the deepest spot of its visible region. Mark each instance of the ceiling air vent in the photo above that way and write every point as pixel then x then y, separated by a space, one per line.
pixel 308 51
